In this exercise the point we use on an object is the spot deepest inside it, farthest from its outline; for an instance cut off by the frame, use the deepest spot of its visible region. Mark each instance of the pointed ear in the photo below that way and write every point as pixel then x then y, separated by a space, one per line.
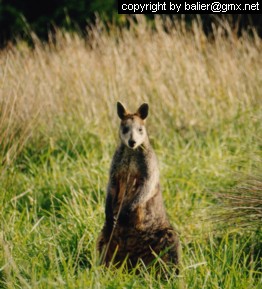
pixel 142 112
pixel 121 111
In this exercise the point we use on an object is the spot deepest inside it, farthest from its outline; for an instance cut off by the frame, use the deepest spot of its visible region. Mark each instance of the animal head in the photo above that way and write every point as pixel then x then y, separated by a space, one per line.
pixel 132 130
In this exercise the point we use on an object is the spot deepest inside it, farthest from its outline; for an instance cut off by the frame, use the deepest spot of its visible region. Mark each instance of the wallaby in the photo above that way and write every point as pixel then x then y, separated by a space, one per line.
pixel 136 227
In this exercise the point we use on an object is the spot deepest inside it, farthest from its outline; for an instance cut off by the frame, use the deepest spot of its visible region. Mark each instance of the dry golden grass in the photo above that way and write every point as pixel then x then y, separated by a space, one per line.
pixel 188 79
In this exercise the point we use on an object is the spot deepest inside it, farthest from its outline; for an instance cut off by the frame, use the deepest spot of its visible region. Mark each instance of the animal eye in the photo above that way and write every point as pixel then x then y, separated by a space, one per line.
pixel 140 129
pixel 125 130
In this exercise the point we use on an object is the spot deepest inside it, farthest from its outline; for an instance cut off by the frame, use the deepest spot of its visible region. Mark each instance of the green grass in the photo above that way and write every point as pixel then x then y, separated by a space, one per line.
pixel 59 131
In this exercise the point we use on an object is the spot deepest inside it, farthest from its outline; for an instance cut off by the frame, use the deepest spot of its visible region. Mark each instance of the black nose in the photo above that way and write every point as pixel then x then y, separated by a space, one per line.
pixel 131 143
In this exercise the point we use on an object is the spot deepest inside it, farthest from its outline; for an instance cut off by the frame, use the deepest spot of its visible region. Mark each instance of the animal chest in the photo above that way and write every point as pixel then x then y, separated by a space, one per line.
pixel 129 177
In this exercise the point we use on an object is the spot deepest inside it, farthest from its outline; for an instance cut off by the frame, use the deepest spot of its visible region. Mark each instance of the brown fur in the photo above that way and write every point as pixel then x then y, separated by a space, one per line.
pixel 136 225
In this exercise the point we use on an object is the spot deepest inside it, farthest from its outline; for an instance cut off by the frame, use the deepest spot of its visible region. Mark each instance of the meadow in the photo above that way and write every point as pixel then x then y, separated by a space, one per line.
pixel 59 129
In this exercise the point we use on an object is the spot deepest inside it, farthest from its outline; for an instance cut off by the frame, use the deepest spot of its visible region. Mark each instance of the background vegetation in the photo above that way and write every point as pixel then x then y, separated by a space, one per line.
pixel 58 131
pixel 22 18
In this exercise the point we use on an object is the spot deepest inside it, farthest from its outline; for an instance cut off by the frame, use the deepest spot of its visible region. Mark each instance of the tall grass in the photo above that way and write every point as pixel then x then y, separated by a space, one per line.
pixel 58 131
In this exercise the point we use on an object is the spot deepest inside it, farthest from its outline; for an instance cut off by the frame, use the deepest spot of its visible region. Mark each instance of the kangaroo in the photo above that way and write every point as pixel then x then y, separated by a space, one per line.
pixel 136 226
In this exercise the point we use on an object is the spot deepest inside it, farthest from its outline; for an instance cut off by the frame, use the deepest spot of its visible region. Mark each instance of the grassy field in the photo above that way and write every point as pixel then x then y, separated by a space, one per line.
pixel 58 131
